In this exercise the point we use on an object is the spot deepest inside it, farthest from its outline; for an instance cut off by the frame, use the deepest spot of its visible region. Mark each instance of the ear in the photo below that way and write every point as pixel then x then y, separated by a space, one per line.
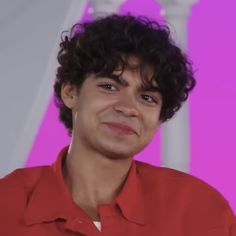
pixel 69 95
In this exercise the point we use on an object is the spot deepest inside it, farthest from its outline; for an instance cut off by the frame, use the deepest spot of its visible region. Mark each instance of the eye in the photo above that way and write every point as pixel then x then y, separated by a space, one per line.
pixel 109 87
pixel 148 98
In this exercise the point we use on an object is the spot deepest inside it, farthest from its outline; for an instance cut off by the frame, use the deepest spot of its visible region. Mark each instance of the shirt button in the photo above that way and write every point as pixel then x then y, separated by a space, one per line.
pixel 80 221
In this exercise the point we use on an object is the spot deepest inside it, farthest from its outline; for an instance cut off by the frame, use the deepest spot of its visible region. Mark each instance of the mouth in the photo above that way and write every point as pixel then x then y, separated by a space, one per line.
pixel 120 128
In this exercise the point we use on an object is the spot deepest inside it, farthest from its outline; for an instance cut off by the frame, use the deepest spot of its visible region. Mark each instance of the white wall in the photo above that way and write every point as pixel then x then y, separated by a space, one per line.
pixel 29 31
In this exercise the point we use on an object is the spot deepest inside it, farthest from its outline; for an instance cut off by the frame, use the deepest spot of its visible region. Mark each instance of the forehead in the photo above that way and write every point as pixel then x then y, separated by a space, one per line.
pixel 141 72
pixel 133 63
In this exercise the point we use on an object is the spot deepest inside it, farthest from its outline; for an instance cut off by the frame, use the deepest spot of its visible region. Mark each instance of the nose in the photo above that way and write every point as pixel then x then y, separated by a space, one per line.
pixel 127 107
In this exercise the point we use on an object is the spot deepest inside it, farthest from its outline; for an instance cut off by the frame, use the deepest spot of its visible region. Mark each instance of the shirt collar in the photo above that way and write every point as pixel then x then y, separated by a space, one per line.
pixel 50 200
pixel 130 198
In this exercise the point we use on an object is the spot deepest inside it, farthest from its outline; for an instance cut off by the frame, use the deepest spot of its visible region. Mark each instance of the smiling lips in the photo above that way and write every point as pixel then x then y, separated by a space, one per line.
pixel 121 128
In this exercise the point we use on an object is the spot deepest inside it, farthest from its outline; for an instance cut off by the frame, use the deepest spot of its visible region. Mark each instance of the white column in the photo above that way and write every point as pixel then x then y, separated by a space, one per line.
pixel 28 67
pixel 101 8
pixel 175 143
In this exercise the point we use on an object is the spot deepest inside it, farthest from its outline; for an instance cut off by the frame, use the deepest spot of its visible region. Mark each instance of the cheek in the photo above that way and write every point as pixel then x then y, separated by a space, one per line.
pixel 90 113
pixel 82 115
pixel 152 120
pixel 150 129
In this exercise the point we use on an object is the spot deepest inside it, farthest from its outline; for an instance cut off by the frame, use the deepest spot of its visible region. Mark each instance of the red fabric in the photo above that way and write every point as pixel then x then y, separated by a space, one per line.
pixel 154 201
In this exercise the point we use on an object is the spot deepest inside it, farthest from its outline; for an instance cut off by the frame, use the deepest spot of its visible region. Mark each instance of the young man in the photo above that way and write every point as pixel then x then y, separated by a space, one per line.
pixel 119 78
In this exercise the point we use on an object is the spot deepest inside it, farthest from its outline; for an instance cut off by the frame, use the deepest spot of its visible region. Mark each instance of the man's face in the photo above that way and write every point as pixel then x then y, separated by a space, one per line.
pixel 114 115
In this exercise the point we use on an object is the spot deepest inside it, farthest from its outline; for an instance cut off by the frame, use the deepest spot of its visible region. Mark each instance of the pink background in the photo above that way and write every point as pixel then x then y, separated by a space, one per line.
pixel 212 47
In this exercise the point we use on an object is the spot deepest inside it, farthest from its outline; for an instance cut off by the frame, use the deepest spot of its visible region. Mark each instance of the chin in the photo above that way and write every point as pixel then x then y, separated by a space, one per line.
pixel 124 149
pixel 116 153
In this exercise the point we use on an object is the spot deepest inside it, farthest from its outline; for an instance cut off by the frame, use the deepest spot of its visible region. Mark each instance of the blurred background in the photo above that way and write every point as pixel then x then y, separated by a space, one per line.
pixel 30 131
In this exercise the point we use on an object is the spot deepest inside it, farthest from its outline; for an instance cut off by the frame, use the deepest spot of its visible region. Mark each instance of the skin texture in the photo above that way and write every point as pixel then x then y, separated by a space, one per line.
pixel 101 152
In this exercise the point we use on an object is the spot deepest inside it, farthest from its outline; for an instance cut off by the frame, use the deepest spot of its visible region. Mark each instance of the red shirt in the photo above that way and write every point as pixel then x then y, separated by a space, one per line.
pixel 154 201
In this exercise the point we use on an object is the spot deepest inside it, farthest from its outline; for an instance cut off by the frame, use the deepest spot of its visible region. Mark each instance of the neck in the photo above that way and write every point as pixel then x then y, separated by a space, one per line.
pixel 94 179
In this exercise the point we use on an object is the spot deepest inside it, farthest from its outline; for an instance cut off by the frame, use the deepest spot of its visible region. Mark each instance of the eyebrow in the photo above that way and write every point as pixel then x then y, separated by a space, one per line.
pixel 145 87
pixel 149 87
pixel 116 78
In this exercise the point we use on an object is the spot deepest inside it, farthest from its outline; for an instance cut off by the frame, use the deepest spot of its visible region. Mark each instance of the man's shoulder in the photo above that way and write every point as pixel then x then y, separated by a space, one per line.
pixel 192 200
pixel 23 176
pixel 17 185
pixel 149 172
pixel 178 183
pixel 16 189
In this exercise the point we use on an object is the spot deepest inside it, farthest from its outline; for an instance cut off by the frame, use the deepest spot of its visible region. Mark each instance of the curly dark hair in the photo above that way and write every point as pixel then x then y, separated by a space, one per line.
pixel 104 44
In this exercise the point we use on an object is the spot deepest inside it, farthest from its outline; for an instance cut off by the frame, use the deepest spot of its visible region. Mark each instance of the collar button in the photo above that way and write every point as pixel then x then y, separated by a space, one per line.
pixel 80 221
